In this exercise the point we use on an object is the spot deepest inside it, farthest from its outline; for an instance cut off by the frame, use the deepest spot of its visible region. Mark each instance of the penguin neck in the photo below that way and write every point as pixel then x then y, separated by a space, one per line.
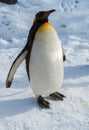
pixel 36 25
pixel 33 31
pixel 40 22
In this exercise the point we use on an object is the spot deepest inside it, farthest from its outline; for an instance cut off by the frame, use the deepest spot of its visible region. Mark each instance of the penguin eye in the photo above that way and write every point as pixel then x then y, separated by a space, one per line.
pixel 39 16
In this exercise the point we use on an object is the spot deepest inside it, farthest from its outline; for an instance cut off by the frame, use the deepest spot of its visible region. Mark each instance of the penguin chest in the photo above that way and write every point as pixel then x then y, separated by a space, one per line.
pixel 46 63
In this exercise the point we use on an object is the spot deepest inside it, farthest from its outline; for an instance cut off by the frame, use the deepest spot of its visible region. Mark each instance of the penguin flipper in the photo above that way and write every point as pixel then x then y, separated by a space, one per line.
pixel 14 67
pixel 64 56
pixel 27 64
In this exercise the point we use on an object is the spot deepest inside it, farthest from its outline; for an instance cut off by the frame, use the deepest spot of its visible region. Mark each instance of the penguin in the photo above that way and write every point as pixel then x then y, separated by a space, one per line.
pixel 44 57
pixel 9 1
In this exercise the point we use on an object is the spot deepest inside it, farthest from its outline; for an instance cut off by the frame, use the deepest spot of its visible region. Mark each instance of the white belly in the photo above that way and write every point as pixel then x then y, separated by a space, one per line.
pixel 46 63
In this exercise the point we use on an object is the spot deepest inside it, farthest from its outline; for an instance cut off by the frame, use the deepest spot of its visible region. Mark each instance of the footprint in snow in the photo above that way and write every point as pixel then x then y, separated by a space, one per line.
pixel 4 19
pixel 69 5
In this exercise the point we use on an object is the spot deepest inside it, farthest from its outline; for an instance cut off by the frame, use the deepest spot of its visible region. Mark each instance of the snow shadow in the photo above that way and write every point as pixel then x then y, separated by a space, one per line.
pixel 16 106
pixel 73 72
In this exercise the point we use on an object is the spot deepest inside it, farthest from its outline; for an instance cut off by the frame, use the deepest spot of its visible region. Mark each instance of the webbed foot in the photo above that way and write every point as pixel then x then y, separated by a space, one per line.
pixel 57 96
pixel 43 103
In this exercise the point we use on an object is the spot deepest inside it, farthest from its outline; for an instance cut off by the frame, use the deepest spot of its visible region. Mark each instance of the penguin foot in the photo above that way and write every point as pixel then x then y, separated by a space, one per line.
pixel 57 96
pixel 43 103
pixel 61 95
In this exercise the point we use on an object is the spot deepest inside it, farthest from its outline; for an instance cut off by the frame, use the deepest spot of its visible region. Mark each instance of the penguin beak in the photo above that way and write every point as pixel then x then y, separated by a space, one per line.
pixel 47 13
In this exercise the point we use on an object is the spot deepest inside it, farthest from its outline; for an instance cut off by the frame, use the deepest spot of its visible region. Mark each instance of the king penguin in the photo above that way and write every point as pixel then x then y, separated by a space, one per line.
pixel 44 57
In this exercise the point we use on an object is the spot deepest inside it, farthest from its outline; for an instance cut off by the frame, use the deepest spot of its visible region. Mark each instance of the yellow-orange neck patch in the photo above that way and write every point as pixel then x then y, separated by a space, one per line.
pixel 47 24
pixel 44 26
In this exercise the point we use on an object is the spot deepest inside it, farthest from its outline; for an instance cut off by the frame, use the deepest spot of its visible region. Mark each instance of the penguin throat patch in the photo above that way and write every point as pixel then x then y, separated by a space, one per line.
pixel 45 26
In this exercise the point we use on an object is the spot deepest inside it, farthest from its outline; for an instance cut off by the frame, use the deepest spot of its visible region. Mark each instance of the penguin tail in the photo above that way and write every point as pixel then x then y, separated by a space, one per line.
pixel 14 67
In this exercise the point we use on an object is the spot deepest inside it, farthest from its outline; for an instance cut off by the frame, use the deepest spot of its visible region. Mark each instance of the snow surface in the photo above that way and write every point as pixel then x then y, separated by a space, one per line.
pixel 18 107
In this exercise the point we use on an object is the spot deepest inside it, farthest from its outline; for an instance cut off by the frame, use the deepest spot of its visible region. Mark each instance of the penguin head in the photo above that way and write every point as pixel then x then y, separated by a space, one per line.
pixel 42 16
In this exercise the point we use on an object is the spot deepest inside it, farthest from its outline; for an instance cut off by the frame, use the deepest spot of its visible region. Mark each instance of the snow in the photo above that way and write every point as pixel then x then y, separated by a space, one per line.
pixel 18 107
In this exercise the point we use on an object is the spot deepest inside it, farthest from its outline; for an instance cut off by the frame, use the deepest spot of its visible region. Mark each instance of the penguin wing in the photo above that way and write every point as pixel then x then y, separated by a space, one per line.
pixel 14 67
pixel 23 54
pixel 27 64
pixel 64 56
